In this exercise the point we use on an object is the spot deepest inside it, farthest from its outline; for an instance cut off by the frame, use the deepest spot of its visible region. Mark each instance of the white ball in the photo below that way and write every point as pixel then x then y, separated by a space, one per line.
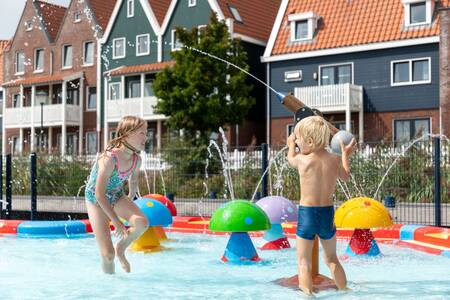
pixel 343 135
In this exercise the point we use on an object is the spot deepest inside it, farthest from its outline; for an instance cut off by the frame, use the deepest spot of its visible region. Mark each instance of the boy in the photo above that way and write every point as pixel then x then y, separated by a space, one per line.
pixel 318 170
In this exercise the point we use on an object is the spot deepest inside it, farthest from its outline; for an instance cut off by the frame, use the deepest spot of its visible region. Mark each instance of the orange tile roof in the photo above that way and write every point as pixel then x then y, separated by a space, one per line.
pixel 34 80
pixel 257 17
pixel 160 8
pixel 52 16
pixel 140 68
pixel 346 23
pixel 102 10
pixel 3 45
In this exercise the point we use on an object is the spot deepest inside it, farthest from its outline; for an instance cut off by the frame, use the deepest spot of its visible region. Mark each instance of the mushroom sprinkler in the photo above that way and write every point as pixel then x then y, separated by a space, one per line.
pixel 169 204
pixel 239 217
pixel 279 210
pixel 157 215
pixel 362 214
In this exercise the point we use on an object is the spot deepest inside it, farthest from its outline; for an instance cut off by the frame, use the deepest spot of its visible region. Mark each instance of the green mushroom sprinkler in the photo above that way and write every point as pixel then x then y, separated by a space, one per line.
pixel 239 217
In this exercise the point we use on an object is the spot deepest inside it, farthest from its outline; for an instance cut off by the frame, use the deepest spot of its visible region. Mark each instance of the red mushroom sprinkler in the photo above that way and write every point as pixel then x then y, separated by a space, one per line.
pixel 239 217
pixel 167 203
pixel 279 210
pixel 362 214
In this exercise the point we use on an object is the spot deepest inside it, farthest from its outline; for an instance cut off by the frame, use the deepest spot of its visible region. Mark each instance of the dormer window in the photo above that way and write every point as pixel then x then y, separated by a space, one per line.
pixel 130 8
pixel 235 13
pixel 29 26
pixel 418 12
pixel 303 26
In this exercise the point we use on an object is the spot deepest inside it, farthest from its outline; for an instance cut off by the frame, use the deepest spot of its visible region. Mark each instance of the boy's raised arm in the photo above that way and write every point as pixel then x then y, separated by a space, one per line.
pixel 344 172
pixel 291 150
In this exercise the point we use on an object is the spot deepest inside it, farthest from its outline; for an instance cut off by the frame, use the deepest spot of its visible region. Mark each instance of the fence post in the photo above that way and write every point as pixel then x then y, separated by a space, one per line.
pixel 437 181
pixel 264 164
pixel 33 173
pixel 8 187
pixel 1 187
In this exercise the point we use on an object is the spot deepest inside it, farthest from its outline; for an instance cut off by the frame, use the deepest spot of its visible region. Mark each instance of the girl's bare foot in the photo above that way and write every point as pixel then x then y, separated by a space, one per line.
pixel 120 253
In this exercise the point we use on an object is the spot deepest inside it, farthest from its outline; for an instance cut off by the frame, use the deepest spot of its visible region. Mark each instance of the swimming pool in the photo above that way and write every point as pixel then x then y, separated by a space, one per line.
pixel 191 269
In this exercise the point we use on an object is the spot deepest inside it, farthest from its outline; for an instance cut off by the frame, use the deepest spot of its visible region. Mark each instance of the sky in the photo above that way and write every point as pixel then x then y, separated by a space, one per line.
pixel 10 12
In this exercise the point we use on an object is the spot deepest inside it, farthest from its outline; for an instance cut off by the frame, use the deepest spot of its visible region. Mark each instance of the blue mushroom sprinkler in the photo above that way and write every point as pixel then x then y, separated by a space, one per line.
pixel 239 217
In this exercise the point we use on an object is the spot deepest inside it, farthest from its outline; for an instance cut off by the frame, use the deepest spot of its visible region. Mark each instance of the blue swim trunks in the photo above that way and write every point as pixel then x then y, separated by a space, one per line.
pixel 316 220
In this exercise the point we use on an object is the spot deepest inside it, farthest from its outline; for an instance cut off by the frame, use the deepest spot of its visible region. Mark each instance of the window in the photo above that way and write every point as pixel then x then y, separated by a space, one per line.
pixel 134 89
pixel 148 86
pixel 340 125
pixel 192 3
pixel 67 56
pixel 73 96
pixel 77 17
pixel 88 53
pixel 91 98
pixel 143 44
pixel 149 143
pixel 408 130
pixel 176 44
pixel 16 100
pixel 72 144
pixel 336 74
pixel 119 48
pixel 112 134
pixel 20 63
pixel 411 71
pixel 418 12
pixel 301 30
pixel 114 91
pixel 235 13
pixel 15 146
pixel 41 141
pixel 200 30
pixel 130 8
pixel 91 142
pixel 303 26
pixel 1 95
pixel 29 25
pixel 39 60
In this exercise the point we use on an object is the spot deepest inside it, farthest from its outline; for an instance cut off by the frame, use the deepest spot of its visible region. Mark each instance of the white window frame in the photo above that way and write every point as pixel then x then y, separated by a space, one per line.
pixel 35 70
pixel 84 54
pixel 130 8
pixel 173 33
pixel 63 57
pixel 410 82
pixel 235 13
pixel 409 119
pixel 17 63
pixel 109 90
pixel 86 144
pixel 192 3
pixel 13 150
pixel 12 100
pixel 335 65
pixel 312 25
pixel 199 31
pixel 77 17
pixel 129 88
pixel 287 73
pixel 28 25
pixel 124 47
pixel 428 12
pixel 87 99
pixel 137 44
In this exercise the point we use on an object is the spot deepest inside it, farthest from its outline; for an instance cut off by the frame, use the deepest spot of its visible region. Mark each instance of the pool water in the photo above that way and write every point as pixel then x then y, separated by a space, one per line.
pixel 191 269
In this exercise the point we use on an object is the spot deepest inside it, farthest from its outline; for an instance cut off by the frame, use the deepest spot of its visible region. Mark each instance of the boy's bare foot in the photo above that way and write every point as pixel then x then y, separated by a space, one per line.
pixel 120 253
pixel 306 291
pixel 108 266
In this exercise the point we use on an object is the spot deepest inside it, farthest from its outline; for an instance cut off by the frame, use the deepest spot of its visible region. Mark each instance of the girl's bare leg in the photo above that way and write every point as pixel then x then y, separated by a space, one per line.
pixel 126 209
pixel 100 226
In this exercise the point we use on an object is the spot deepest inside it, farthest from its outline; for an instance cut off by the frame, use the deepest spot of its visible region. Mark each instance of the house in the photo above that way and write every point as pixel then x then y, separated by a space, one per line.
pixel 50 78
pixel 3 45
pixel 138 43
pixel 370 66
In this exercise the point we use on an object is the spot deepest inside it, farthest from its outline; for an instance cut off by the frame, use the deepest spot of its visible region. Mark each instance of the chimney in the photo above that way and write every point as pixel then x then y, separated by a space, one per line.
pixel 444 71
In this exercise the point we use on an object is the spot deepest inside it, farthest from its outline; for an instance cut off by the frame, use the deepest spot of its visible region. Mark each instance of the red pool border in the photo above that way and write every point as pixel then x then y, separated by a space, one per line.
pixel 434 240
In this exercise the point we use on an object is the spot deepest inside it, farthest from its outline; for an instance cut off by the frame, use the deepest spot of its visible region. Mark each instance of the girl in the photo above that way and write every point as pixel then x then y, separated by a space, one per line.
pixel 105 197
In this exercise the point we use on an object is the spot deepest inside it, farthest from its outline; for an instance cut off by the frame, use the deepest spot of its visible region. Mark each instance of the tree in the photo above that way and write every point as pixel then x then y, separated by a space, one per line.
pixel 200 94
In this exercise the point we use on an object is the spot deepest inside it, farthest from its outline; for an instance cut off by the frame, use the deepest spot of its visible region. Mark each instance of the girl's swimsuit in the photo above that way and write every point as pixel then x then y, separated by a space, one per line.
pixel 114 188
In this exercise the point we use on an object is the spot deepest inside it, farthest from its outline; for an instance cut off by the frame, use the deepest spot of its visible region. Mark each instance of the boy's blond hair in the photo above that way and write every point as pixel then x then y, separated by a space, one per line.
pixel 316 128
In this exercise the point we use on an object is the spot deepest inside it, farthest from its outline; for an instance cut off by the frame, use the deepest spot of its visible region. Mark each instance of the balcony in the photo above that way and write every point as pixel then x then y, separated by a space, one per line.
pixel 332 98
pixel 20 117
pixel 142 107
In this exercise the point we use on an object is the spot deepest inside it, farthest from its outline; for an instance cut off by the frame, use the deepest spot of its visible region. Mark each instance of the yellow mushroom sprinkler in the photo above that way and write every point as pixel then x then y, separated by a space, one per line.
pixel 362 214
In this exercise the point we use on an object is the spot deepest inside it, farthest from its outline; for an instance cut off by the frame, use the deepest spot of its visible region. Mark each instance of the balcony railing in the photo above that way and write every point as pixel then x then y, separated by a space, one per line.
pixel 332 98
pixel 116 109
pixel 20 117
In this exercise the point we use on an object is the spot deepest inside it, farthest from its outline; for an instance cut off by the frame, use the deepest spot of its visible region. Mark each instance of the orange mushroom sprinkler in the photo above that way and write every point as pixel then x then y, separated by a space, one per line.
pixel 239 217
pixel 362 214
pixel 167 203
